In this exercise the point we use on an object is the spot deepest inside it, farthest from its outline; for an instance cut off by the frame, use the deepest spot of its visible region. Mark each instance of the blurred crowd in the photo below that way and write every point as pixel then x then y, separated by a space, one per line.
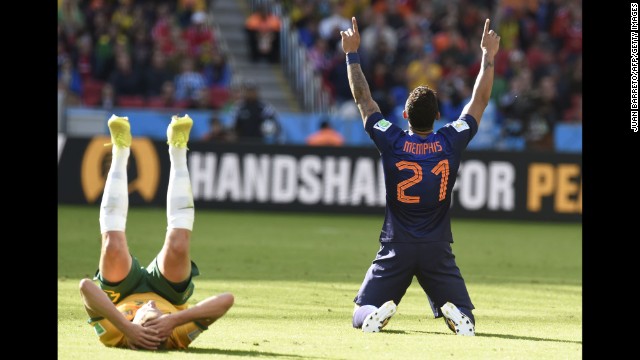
pixel 164 54
pixel 143 53
pixel 404 43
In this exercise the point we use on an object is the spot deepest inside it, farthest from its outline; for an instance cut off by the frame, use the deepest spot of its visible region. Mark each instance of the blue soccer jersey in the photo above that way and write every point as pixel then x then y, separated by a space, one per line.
pixel 419 176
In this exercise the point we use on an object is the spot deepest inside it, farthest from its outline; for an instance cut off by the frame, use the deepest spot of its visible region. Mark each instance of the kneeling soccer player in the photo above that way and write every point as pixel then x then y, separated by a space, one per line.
pixel 420 168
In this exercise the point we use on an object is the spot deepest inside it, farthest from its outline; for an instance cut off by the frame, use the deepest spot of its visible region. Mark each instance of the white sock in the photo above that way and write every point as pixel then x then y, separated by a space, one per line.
pixel 115 199
pixel 180 211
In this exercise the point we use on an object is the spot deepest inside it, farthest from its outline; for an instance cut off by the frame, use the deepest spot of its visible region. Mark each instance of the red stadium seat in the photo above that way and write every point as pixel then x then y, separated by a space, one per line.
pixel 130 101
pixel 157 102
pixel 219 96
pixel 92 92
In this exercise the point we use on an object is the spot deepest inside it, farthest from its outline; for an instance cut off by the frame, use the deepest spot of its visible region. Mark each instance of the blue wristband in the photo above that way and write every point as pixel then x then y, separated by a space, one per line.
pixel 353 58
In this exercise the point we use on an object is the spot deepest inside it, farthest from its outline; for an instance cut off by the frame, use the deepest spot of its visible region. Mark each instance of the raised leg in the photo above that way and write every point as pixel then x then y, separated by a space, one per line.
pixel 174 259
pixel 115 260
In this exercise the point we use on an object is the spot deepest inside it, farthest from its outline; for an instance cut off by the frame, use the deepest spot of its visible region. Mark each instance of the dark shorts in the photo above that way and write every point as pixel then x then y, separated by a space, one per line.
pixel 433 264
pixel 141 280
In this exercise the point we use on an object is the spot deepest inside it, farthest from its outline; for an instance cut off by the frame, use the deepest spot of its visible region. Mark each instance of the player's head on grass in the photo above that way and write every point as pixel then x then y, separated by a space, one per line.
pixel 147 312
pixel 421 109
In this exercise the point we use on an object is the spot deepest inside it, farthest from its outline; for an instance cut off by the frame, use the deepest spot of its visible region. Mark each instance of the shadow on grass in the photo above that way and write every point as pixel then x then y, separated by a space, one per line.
pixel 530 338
pixel 501 336
pixel 247 353
pixel 395 331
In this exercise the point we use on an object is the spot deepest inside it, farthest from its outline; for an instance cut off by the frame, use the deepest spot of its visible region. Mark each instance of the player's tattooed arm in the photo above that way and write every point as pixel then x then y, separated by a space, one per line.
pixel 481 93
pixel 361 92
pixel 357 81
pixel 487 61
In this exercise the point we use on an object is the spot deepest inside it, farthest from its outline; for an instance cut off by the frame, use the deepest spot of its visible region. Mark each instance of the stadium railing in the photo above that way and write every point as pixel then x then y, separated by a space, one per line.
pixel 305 81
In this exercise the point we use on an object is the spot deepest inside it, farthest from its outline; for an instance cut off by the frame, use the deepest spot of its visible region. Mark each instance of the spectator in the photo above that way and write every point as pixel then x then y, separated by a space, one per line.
pixel 509 29
pixel 157 74
pixel 424 71
pixel 70 82
pixel 167 98
pixel 104 48
pixel 198 35
pixel 122 17
pixel 574 113
pixel 454 94
pixel 329 28
pixel 85 62
pixel 125 81
pixel 186 8
pixel 337 80
pixel 320 55
pixel 516 105
pixel 382 81
pixel 70 17
pixel 301 12
pixel 202 100
pixel 309 32
pixel 218 72
pixel 217 132
pixel 545 115
pixel 263 31
pixel 63 53
pixel 378 31
pixel 141 50
pixel 325 136
pixel 161 32
pixel 189 81
pixel 396 11
pixel 254 119
pixel 107 98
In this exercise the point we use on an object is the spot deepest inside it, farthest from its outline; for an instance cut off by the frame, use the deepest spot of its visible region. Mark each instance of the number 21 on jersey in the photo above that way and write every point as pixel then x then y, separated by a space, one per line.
pixel 442 169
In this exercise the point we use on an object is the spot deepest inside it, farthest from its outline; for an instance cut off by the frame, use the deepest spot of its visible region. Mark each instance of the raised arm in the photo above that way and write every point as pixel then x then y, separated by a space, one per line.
pixel 489 44
pixel 97 303
pixel 357 81
pixel 206 312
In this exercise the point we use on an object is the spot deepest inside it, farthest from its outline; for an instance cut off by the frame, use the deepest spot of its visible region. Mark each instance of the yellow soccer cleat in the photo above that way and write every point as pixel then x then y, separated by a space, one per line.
pixel 120 130
pixel 178 131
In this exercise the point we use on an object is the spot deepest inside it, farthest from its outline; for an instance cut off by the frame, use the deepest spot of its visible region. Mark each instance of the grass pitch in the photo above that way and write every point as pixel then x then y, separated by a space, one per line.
pixel 294 277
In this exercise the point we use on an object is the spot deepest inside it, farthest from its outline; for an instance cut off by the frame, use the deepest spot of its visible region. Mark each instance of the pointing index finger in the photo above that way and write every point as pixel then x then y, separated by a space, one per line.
pixel 355 24
pixel 486 26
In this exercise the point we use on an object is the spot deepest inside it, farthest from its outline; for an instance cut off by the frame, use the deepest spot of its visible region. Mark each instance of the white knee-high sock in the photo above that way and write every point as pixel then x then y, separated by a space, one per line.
pixel 115 199
pixel 180 211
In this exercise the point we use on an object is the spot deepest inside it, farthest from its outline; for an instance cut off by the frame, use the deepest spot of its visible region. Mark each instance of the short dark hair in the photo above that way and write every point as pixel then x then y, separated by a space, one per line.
pixel 325 124
pixel 422 108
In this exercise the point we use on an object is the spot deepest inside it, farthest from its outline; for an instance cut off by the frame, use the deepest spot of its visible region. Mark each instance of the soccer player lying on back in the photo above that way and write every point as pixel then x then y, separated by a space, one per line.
pixel 142 308
pixel 420 168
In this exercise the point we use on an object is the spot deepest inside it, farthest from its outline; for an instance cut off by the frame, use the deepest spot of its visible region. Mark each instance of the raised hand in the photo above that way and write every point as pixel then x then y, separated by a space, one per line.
pixel 490 40
pixel 351 38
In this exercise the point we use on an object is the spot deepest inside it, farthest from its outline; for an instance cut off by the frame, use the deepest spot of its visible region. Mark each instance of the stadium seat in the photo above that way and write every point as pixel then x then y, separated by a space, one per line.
pixel 130 101
pixel 92 92
pixel 219 96
pixel 157 102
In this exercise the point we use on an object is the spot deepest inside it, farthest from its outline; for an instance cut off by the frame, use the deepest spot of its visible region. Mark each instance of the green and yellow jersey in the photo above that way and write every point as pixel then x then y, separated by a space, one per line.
pixel 180 338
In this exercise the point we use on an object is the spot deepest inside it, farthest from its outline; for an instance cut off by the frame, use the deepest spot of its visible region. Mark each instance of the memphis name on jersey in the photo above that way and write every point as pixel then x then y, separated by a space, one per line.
pixel 420 172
